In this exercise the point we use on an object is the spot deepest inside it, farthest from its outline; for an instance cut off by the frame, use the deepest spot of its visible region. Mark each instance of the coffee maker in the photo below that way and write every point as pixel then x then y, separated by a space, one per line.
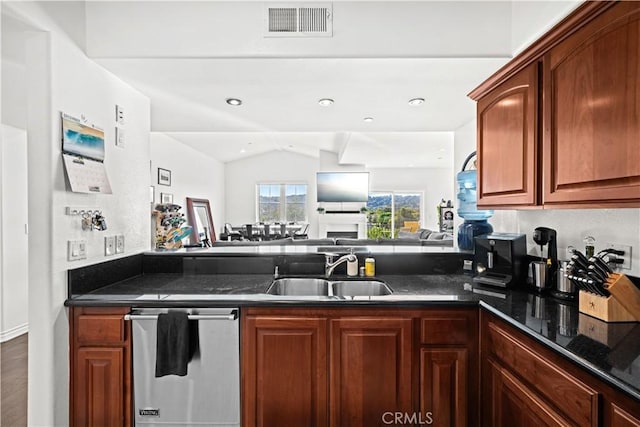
pixel 543 272
pixel 500 259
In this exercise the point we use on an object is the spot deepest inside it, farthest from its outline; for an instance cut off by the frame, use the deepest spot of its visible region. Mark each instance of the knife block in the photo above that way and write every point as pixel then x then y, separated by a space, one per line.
pixel 623 305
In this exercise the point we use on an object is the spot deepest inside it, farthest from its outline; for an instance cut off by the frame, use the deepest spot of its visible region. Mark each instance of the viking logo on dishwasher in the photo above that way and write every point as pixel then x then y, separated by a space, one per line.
pixel 149 412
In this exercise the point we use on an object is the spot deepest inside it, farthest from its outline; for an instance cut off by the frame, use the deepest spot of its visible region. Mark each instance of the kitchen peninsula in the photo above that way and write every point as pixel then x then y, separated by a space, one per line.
pixel 509 357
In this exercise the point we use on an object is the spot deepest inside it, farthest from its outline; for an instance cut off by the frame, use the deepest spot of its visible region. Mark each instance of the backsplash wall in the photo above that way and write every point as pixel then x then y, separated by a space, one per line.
pixel 620 226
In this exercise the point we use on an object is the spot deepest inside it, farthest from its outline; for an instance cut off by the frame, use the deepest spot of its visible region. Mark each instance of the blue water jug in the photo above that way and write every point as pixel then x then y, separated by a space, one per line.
pixel 475 223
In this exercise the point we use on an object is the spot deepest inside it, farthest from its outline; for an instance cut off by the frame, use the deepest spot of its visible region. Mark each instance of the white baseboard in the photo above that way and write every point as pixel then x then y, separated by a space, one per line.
pixel 14 332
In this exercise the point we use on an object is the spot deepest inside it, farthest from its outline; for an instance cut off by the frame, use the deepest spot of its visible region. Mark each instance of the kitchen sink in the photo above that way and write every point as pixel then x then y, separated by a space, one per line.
pixel 307 286
pixel 360 288
pixel 301 286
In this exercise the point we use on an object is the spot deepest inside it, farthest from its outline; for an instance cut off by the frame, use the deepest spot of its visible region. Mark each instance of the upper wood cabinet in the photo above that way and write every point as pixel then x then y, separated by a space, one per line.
pixel 559 126
pixel 591 144
pixel 507 142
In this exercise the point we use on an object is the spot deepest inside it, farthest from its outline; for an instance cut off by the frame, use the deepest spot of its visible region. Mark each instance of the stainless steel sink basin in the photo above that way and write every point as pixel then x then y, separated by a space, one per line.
pixel 301 286
pixel 308 286
pixel 355 288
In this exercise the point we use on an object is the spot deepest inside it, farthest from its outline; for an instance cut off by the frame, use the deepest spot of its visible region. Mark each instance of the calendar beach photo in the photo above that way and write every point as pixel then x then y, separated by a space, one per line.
pixel 82 139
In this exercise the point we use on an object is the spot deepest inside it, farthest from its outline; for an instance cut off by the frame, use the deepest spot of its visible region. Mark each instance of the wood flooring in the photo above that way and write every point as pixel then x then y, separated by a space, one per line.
pixel 13 382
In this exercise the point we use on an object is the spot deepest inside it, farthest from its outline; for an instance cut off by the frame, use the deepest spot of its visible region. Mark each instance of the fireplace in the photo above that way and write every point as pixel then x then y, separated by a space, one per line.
pixel 345 225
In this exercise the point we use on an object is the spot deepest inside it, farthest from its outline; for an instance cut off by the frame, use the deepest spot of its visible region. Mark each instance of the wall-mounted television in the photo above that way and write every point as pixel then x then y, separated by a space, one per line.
pixel 343 187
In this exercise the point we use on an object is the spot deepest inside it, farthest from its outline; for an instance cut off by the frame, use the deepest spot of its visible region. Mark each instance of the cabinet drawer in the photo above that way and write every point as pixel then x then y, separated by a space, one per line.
pixel 97 329
pixel 446 327
pixel 575 399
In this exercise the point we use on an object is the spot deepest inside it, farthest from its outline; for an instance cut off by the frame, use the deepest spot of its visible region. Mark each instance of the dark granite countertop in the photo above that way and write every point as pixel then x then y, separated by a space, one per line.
pixel 610 351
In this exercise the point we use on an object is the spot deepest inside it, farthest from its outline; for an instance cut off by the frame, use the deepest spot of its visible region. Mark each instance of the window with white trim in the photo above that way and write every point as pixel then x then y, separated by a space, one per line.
pixel 283 202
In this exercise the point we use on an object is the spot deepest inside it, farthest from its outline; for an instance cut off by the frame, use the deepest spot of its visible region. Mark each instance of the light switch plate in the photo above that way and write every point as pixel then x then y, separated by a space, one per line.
pixel 119 137
pixel 109 245
pixel 119 115
pixel 120 243
pixel 76 249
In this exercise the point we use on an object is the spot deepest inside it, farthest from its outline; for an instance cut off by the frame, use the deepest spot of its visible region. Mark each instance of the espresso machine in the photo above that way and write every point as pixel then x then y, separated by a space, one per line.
pixel 500 259
pixel 542 273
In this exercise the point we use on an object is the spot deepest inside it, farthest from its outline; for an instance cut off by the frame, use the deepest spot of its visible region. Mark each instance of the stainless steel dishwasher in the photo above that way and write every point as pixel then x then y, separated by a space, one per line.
pixel 209 395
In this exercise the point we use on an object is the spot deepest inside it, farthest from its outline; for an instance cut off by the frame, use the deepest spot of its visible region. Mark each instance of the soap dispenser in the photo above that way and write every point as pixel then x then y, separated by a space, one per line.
pixel 352 266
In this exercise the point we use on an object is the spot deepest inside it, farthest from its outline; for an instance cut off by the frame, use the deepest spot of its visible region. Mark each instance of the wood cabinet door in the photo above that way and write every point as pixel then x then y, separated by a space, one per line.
pixel 591 140
pixel 98 387
pixel 508 142
pixel 621 418
pixel 370 369
pixel 284 375
pixel 443 385
pixel 514 404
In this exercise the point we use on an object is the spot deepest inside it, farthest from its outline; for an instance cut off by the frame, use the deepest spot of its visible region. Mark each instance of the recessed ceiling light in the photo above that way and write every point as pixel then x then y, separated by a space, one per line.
pixel 368 119
pixel 439 158
pixel 243 151
pixel 234 101
pixel 325 102
pixel 416 101
pixel 442 150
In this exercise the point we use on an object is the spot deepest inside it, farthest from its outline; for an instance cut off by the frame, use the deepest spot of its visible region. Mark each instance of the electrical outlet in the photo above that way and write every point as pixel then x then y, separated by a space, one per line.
pixel 109 245
pixel 626 257
pixel 120 243
pixel 76 249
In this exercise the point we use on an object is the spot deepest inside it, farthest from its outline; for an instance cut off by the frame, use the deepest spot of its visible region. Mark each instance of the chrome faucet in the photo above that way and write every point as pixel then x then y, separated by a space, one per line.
pixel 329 265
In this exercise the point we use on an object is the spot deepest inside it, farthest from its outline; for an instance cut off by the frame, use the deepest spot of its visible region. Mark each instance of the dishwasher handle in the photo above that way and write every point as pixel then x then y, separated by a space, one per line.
pixel 232 316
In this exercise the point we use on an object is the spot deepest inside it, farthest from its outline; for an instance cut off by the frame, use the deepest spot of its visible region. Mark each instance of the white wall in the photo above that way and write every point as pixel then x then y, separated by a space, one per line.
pixel 421 30
pixel 13 185
pixel 14 254
pixel 241 177
pixel 531 19
pixel 193 174
pixel 61 78
pixel 606 225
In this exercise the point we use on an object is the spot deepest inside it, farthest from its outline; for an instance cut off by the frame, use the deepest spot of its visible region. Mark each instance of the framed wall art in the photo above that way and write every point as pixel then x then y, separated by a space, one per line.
pixel 166 198
pixel 164 177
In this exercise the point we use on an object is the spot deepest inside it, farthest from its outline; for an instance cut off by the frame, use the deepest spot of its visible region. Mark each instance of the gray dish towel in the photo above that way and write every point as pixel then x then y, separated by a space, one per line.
pixel 172 344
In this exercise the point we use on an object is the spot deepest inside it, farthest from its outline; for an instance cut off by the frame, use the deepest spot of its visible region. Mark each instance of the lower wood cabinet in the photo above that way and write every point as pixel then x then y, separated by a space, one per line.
pixel 370 369
pixel 526 384
pixel 359 367
pixel 444 390
pixel 621 418
pixel 515 404
pixel 100 367
pixel 284 370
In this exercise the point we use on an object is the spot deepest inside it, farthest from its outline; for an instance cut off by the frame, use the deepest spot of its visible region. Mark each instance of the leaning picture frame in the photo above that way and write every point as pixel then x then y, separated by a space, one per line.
pixel 164 177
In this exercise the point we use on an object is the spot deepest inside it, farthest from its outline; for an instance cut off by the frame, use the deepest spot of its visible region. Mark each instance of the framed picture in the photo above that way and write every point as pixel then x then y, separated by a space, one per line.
pixel 152 193
pixel 164 177
pixel 166 198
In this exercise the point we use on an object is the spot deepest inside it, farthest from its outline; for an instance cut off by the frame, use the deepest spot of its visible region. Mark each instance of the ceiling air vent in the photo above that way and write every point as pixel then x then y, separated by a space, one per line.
pixel 299 20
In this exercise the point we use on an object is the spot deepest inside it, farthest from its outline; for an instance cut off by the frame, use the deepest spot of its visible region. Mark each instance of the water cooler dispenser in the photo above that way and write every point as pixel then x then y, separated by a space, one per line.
pixel 475 221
